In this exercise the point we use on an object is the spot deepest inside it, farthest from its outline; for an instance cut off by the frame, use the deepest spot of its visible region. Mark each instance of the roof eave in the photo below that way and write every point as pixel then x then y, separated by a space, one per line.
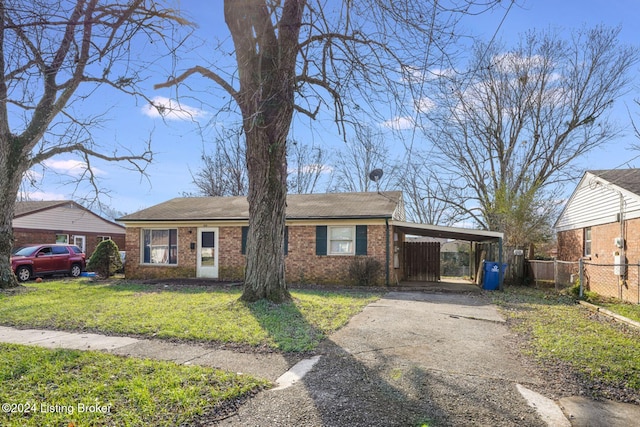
pixel 127 220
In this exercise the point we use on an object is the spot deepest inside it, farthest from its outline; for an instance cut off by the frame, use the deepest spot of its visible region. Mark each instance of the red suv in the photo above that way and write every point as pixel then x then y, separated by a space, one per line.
pixel 42 260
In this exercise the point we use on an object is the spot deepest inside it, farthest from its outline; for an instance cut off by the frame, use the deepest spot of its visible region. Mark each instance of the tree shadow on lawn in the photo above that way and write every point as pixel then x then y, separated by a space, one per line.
pixel 286 327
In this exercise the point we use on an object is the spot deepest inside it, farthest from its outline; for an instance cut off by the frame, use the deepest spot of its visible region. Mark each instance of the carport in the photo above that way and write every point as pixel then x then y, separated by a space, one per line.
pixel 455 233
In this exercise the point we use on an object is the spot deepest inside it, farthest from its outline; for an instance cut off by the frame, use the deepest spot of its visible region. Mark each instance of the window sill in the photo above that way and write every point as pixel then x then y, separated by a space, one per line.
pixel 157 265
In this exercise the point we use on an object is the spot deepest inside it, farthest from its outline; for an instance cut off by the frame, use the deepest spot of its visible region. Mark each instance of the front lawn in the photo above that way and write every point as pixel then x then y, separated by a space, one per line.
pixel 561 330
pixel 187 313
pixel 42 387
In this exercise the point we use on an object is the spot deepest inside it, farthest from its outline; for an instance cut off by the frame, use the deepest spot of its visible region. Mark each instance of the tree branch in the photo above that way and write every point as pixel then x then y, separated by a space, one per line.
pixel 203 72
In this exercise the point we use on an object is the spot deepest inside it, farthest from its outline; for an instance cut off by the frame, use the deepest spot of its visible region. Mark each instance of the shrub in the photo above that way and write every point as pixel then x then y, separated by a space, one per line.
pixel 364 270
pixel 105 260
pixel 588 296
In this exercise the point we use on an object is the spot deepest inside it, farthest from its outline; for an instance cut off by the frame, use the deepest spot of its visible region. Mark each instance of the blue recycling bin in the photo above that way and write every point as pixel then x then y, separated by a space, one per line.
pixel 491 278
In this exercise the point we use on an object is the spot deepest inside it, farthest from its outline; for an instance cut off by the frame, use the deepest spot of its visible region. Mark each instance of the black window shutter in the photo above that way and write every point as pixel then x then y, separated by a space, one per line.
pixel 286 239
pixel 321 240
pixel 361 239
pixel 245 232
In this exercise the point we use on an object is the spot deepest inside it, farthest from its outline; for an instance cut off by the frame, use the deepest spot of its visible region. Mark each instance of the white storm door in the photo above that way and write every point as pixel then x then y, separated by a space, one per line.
pixel 80 241
pixel 207 254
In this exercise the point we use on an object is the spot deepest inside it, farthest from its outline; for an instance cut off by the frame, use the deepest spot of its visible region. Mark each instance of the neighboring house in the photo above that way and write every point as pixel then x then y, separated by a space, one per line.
pixel 206 237
pixel 63 221
pixel 601 224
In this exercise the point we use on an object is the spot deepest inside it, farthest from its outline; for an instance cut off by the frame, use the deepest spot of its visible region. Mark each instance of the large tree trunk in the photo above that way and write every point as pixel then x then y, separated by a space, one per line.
pixel 266 54
pixel 265 273
pixel 10 177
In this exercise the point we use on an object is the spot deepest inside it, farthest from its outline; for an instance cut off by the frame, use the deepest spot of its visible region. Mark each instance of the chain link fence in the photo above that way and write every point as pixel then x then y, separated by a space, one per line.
pixel 620 281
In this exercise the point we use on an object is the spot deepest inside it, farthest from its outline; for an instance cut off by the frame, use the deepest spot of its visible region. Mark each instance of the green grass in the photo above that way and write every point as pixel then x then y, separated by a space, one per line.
pixel 64 387
pixel 194 314
pixel 562 330
pixel 630 311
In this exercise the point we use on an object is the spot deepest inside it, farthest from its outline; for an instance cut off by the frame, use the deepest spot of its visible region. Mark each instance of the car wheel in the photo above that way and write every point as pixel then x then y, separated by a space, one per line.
pixel 75 270
pixel 23 273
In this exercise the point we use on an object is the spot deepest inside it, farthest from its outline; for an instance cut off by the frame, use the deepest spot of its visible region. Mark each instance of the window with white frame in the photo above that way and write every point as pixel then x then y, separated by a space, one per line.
pixel 160 246
pixel 587 241
pixel 342 240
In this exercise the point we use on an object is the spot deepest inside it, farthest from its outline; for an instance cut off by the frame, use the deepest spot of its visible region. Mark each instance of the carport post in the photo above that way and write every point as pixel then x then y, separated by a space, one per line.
pixel 386 281
pixel 500 269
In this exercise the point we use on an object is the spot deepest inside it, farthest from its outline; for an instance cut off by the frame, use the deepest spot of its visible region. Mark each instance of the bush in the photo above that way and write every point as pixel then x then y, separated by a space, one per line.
pixel 105 260
pixel 588 296
pixel 364 271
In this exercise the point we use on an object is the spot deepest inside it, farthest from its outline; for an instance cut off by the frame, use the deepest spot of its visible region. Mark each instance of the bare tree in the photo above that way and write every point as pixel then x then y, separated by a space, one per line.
pixel 358 157
pixel 636 128
pixel 424 191
pixel 512 127
pixel 308 165
pixel 224 173
pixel 48 50
pixel 297 56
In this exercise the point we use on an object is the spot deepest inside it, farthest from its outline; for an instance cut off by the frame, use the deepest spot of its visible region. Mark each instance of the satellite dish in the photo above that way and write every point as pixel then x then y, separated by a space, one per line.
pixel 375 175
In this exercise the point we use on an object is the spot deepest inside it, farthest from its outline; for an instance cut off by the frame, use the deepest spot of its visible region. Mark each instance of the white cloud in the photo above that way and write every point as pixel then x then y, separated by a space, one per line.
pixel 417 75
pixel 42 195
pixel 32 176
pixel 399 123
pixel 70 167
pixel 512 62
pixel 424 105
pixel 170 109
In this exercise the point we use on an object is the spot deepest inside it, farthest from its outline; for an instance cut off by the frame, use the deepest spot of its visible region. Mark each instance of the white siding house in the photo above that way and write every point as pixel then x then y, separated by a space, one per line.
pixel 600 225
pixel 596 200
pixel 63 221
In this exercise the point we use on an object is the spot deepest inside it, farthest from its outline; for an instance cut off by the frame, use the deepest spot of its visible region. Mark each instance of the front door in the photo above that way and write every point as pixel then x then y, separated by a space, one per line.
pixel 80 241
pixel 207 252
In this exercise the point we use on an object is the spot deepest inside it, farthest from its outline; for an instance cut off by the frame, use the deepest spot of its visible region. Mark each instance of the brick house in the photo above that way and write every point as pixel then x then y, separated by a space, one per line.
pixel 63 221
pixel 206 237
pixel 601 224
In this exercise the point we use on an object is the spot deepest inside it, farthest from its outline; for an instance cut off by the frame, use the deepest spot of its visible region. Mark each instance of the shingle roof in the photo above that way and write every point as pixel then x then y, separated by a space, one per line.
pixel 628 179
pixel 299 206
pixel 30 206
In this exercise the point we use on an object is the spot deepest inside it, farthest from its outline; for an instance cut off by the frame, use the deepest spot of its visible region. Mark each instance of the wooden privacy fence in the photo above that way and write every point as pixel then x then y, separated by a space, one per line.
pixel 422 261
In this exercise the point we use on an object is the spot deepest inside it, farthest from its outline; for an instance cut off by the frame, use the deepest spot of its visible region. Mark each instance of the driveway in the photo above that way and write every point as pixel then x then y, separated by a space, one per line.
pixel 411 358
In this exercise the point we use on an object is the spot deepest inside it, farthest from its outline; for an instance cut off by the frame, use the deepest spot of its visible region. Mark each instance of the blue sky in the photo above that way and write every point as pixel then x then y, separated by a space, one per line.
pixel 178 139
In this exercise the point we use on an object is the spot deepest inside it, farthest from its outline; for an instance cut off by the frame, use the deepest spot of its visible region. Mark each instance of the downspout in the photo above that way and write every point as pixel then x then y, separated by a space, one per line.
pixel 386 221
pixel 622 281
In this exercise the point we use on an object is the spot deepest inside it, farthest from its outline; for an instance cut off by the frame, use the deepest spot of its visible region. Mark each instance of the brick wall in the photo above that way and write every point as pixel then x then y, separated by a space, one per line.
pixel 599 268
pixel 304 266
pixel 231 261
pixel 301 263
pixel 186 266
pixel 570 245
pixel 24 236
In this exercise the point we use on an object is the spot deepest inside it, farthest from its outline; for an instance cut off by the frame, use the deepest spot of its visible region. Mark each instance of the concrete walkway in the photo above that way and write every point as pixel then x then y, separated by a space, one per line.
pixel 457 343
pixel 269 365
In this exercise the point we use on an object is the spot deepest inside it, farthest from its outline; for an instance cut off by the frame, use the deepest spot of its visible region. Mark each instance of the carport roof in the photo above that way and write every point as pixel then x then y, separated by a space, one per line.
pixel 457 233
